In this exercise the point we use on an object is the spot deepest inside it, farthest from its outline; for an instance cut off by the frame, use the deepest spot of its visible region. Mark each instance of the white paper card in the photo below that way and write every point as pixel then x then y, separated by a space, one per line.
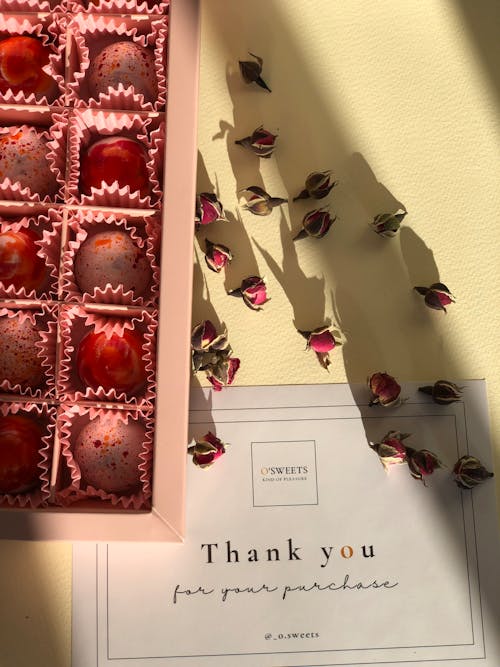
pixel 302 551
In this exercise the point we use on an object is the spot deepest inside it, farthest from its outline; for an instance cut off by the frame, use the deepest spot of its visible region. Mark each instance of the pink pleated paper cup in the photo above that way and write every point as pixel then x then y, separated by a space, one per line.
pixel 106 454
pixel 33 156
pixel 139 143
pixel 119 6
pixel 118 62
pixel 27 430
pixel 107 354
pixel 111 260
pixel 17 34
pixel 28 341
pixel 29 256
pixel 33 6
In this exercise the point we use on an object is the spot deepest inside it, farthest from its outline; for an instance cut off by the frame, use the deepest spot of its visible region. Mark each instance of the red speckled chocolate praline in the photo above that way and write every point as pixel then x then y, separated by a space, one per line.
pixel 20 443
pixel 112 362
pixel 115 159
pixel 20 265
pixel 21 61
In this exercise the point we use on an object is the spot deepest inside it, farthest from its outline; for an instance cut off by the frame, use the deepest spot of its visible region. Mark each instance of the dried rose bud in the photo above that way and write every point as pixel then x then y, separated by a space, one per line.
pixel 443 392
pixel 222 373
pixel 208 209
pixel 321 341
pixel 207 346
pixel 253 291
pixel 207 450
pixel 205 337
pixel 469 472
pixel 422 462
pixel 391 449
pixel 251 71
pixel 315 223
pixel 203 359
pixel 261 142
pixel 387 224
pixel 217 256
pixel 437 296
pixel 385 390
pixel 317 186
pixel 211 353
pixel 261 203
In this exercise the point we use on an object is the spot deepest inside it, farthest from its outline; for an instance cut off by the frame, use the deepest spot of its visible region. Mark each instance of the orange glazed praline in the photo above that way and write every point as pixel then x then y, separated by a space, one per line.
pixel 112 362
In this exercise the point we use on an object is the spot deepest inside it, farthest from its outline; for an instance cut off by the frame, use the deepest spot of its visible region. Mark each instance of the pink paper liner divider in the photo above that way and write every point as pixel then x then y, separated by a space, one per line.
pixel 91 34
pixel 71 420
pixel 46 417
pixel 146 235
pixel 75 322
pixel 49 29
pixel 47 226
pixel 32 6
pixel 43 316
pixel 119 6
pixel 88 126
pixel 55 135
pixel 157 152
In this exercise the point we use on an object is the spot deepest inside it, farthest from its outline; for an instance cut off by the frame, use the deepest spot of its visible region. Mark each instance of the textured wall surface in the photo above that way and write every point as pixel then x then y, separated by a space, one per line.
pixel 400 100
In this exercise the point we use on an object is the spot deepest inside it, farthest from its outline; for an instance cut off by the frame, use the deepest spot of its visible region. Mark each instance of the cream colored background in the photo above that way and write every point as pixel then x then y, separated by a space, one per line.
pixel 400 98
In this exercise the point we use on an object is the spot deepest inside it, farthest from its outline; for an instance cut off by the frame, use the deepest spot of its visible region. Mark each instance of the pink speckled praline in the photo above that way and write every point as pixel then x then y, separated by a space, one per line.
pixel 23 159
pixel 20 362
pixel 127 63
pixel 112 258
pixel 107 452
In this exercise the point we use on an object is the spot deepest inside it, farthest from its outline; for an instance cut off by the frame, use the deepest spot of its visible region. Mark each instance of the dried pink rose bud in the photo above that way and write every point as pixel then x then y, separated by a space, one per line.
pixel 385 390
pixel 387 224
pixel 207 450
pixel 260 202
pixel 251 71
pixel 321 341
pixel 315 223
pixel 207 346
pixel 253 291
pixel 468 472
pixel 261 142
pixel 211 353
pixel 222 373
pixel 391 449
pixel 422 463
pixel 437 296
pixel 203 335
pixel 217 256
pixel 317 185
pixel 443 392
pixel 208 209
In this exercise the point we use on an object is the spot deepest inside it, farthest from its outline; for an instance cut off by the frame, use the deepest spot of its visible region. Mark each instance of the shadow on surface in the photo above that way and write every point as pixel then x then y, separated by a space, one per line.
pixel 306 294
pixel 31 626
pixel 482 21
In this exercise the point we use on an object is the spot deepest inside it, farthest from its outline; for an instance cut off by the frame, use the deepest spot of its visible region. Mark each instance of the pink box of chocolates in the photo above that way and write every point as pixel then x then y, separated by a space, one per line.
pixel 98 103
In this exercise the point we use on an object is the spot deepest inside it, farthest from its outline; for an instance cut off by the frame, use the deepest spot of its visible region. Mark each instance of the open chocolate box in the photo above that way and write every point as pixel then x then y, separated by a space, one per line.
pixel 95 320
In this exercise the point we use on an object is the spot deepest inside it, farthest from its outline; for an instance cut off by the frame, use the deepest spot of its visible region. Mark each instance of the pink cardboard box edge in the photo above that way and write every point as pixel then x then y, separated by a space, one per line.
pixel 165 522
